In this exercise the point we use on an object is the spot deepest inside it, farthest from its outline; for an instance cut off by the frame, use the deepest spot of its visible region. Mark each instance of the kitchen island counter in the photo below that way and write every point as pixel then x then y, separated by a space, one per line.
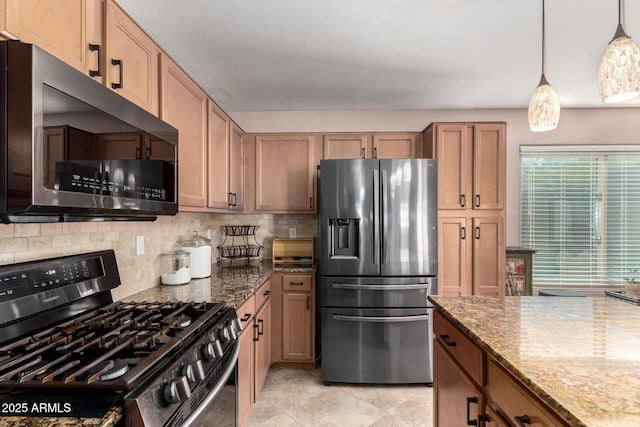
pixel 580 356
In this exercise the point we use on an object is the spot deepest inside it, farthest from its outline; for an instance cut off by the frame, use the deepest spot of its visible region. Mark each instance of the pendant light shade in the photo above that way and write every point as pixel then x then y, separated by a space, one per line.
pixel 544 106
pixel 619 70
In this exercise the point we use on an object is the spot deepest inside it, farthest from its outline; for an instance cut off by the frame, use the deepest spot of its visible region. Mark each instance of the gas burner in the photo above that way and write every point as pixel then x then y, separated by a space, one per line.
pixel 183 321
pixel 110 369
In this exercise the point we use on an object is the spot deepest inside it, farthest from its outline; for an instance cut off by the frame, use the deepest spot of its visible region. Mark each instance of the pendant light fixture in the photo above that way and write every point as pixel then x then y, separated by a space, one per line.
pixel 619 71
pixel 544 106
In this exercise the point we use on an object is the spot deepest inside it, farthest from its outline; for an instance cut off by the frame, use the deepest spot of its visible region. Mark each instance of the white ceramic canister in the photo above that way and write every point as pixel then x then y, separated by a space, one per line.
pixel 200 249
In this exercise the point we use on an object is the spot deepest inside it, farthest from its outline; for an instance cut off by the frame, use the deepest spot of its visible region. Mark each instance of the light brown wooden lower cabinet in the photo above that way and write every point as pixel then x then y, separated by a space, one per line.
pixel 293 319
pixel 482 394
pixel 255 349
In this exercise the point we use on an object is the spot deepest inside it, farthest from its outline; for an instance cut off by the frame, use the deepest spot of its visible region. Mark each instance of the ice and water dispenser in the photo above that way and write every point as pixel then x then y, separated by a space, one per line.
pixel 344 239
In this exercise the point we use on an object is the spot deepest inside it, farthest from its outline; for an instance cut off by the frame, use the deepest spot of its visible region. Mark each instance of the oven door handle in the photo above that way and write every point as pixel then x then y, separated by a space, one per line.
pixel 381 287
pixel 216 389
pixel 381 319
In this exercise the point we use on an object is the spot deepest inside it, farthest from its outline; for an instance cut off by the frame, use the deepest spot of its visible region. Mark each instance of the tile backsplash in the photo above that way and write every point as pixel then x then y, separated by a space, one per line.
pixel 26 242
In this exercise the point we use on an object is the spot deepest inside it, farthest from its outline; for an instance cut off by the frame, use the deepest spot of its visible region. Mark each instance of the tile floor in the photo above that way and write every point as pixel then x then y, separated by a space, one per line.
pixel 297 397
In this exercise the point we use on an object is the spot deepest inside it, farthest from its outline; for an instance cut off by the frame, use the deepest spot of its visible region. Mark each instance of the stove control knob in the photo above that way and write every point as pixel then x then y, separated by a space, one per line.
pixel 194 372
pixel 232 332
pixel 212 350
pixel 225 335
pixel 177 390
pixel 237 324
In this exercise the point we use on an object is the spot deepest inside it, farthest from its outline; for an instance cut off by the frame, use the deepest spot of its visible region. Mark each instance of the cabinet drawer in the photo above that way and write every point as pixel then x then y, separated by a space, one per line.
pixel 296 282
pixel 263 293
pixel 465 352
pixel 513 400
pixel 246 311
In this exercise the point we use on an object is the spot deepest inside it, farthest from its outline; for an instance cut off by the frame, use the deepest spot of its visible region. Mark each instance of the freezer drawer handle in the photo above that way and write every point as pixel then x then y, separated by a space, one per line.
pixel 471 400
pixel 381 319
pixel 381 287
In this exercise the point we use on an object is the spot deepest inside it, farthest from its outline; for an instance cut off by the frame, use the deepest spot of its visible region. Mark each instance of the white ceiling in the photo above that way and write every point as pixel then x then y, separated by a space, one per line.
pixel 257 55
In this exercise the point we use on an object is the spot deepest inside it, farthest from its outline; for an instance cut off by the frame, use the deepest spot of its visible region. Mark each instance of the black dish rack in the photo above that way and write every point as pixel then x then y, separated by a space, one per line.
pixel 238 243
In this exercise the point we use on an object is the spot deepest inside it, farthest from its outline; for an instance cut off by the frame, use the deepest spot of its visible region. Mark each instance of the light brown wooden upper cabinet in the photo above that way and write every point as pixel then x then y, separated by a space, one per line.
pixel 395 146
pixel 184 106
pixel 225 161
pixel 365 145
pixel 132 60
pixel 471 164
pixel 70 30
pixel 280 173
pixel 346 146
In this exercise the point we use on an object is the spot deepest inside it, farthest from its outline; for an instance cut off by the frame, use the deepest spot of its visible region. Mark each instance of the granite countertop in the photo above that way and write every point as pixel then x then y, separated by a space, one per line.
pixel 232 285
pixel 110 419
pixel 579 355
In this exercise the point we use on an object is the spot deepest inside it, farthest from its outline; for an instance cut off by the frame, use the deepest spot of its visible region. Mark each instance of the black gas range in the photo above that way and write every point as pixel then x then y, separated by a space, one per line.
pixel 66 349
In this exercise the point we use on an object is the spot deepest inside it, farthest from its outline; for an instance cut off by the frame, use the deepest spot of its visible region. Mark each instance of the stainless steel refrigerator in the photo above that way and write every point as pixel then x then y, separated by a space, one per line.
pixel 378 227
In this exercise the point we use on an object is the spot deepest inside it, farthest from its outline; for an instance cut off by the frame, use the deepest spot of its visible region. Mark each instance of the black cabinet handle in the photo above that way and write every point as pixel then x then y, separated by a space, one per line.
pixel 375 152
pixel 462 200
pixel 477 232
pixel 471 400
pixel 120 65
pixel 266 293
pixel 235 199
pixel 246 317
pixel 138 153
pixel 463 233
pixel 256 333
pixel 296 283
pixel 522 420
pixel 147 152
pixel 477 200
pixel 310 202
pixel 229 201
pixel 308 302
pixel 98 72
pixel 448 341
pixel 261 329
pixel 363 152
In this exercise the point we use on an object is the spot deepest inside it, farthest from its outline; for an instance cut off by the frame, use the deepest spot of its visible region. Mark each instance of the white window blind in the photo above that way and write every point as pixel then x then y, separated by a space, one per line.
pixel 580 209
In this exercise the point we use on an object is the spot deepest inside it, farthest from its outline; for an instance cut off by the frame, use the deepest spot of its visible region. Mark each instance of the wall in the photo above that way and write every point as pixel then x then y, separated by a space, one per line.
pixel 25 242
pixel 577 126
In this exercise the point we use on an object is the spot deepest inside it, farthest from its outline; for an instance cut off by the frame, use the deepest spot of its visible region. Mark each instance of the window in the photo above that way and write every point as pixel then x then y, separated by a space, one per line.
pixel 580 209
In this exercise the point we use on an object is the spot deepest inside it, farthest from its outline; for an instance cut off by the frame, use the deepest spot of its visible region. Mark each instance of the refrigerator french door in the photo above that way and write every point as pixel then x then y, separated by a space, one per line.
pixel 378 226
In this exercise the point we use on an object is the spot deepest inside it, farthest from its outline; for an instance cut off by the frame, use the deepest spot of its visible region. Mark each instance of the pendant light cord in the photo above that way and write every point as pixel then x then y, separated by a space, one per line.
pixel 619 12
pixel 543 38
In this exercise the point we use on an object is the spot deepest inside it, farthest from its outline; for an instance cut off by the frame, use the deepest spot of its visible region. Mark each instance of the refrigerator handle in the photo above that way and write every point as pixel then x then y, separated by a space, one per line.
pixel 376 217
pixel 383 218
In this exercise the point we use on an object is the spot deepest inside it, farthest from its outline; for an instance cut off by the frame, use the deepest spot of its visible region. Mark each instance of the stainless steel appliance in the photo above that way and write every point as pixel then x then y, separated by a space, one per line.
pixel 71 149
pixel 378 226
pixel 65 343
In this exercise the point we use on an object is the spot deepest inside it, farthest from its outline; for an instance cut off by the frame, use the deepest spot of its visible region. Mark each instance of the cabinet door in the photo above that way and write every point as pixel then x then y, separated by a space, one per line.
pixel 394 146
pixel 236 168
pixel 453 258
pixel 489 256
pixel 346 146
pixel 245 374
pixel 453 151
pixel 285 173
pixel 184 106
pixel 262 339
pixel 489 168
pixel 64 28
pixel 219 123
pixel 457 400
pixel 120 146
pixel 132 60
pixel 296 326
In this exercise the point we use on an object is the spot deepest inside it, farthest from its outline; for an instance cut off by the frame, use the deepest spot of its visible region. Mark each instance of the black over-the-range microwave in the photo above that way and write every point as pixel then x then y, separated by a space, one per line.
pixel 73 150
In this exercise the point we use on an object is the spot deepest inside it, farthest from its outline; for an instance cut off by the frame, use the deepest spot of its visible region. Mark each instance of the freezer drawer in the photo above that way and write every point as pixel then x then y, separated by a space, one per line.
pixel 377 292
pixel 386 346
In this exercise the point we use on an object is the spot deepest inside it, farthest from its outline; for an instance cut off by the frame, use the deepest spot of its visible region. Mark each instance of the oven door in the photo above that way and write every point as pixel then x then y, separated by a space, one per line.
pixel 219 404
